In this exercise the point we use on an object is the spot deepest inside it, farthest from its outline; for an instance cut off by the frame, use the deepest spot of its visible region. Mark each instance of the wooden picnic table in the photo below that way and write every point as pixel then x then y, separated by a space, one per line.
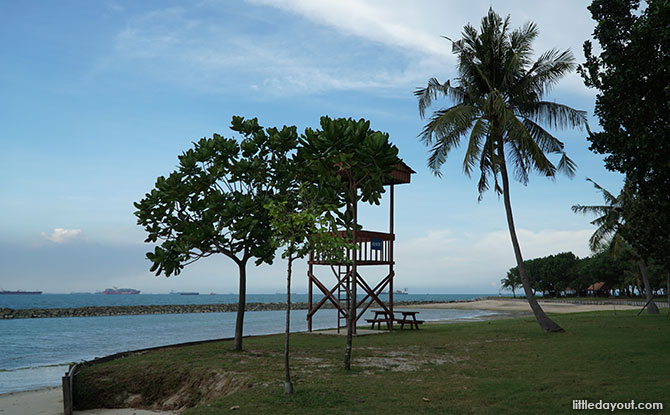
pixel 382 316
pixel 409 317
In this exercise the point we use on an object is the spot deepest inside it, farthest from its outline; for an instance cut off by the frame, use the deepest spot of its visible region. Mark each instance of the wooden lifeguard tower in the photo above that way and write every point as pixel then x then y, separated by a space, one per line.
pixel 374 248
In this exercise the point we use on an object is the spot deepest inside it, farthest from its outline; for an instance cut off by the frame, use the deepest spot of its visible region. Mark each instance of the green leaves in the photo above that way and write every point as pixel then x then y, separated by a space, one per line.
pixel 224 192
pixel 215 201
pixel 346 154
pixel 498 104
pixel 633 105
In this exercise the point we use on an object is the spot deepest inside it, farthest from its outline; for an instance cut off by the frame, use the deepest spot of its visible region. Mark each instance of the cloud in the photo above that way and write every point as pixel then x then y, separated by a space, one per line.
pixel 418 28
pixel 475 262
pixel 368 20
pixel 62 235
pixel 181 47
pixel 270 48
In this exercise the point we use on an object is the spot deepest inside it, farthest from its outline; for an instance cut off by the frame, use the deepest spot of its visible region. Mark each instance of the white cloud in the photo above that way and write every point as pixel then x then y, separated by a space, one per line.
pixel 317 46
pixel 389 23
pixel 61 235
pixel 475 262
pixel 418 27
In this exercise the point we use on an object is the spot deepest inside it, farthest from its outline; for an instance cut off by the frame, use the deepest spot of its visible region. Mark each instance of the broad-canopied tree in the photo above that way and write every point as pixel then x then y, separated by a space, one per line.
pixel 499 110
pixel 215 203
pixel 633 107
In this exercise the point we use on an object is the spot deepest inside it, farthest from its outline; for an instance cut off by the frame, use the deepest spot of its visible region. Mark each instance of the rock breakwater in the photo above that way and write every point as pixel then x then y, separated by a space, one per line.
pixel 8 313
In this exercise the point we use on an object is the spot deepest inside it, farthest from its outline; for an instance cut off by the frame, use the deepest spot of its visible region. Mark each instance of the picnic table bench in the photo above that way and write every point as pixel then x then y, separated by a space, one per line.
pixel 381 316
pixel 408 317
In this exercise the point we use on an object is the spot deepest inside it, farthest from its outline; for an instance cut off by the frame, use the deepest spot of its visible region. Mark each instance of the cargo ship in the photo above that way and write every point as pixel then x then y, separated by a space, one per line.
pixel 20 292
pixel 120 291
pixel 397 292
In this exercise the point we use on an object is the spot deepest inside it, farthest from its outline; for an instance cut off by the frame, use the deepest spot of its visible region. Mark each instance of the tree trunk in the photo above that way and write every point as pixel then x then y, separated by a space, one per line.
pixel 351 315
pixel 288 386
pixel 651 307
pixel 547 324
pixel 241 304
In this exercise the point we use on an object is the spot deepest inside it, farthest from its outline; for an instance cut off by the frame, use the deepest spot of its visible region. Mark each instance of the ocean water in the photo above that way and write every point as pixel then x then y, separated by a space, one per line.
pixel 84 300
pixel 36 352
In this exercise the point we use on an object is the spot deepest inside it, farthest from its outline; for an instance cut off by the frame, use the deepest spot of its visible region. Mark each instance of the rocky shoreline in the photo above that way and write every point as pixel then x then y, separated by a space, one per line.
pixel 8 313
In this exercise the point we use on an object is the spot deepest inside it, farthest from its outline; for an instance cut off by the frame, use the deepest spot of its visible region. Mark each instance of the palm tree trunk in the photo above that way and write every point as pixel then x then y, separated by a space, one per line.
pixel 651 307
pixel 241 305
pixel 547 324
pixel 288 386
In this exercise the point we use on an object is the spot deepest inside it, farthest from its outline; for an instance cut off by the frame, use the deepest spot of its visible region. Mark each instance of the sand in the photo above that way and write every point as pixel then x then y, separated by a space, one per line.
pixel 522 305
pixel 50 402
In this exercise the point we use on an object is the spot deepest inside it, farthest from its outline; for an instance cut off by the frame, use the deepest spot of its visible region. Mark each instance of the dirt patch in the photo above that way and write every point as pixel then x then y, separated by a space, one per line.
pixel 198 390
pixel 158 389
pixel 402 361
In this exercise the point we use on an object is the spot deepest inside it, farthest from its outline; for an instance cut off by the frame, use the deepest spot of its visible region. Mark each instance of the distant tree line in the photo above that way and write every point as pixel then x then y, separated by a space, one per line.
pixel 565 274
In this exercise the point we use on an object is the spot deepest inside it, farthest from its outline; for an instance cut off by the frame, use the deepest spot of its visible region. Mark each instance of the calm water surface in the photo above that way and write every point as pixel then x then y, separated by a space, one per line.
pixel 36 352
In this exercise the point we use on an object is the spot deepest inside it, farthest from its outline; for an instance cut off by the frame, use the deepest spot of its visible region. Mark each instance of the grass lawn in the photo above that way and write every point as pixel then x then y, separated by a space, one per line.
pixel 493 367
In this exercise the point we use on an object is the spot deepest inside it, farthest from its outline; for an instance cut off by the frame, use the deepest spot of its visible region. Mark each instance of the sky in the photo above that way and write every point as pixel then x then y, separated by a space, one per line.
pixel 99 99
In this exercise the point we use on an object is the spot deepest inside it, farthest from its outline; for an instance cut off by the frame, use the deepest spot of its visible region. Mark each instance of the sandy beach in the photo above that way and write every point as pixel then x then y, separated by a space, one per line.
pixel 50 402
pixel 522 306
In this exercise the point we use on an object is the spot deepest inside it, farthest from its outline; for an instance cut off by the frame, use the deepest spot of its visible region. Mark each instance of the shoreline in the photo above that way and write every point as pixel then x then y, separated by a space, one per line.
pixel 49 401
pixel 521 305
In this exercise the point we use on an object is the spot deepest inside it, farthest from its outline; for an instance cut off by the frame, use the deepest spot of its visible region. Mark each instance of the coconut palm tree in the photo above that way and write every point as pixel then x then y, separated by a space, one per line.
pixel 607 236
pixel 499 107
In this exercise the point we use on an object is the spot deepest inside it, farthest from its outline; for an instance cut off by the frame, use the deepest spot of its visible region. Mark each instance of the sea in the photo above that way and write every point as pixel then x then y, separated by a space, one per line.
pixel 35 353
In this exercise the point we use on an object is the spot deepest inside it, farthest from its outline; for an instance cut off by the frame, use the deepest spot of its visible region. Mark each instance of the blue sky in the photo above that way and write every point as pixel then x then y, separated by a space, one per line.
pixel 99 98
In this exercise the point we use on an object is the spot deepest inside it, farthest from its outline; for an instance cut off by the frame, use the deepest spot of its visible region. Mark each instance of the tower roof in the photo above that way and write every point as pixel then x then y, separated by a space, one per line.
pixel 402 173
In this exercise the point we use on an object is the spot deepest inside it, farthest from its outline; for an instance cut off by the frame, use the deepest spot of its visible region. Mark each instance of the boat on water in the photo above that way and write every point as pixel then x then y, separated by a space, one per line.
pixel 20 292
pixel 397 292
pixel 119 291
pixel 188 293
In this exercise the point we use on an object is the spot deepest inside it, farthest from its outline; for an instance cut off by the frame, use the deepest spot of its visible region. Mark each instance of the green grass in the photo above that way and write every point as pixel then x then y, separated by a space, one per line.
pixel 494 367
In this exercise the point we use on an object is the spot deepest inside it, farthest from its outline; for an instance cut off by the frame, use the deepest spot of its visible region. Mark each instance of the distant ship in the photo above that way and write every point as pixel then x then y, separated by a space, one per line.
pixel 113 291
pixel 397 292
pixel 188 293
pixel 20 292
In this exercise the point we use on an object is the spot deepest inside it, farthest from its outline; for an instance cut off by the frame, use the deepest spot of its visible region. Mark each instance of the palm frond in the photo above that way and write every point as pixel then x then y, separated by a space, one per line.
pixel 530 145
pixel 521 40
pixel 590 210
pixel 549 68
pixel 486 165
pixel 555 115
pixel 448 124
pixel 428 94
pixel 518 160
pixel 434 90
pixel 609 198
pixel 478 132
pixel 545 141
pixel 444 131
pixel 601 237
pixel 566 166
